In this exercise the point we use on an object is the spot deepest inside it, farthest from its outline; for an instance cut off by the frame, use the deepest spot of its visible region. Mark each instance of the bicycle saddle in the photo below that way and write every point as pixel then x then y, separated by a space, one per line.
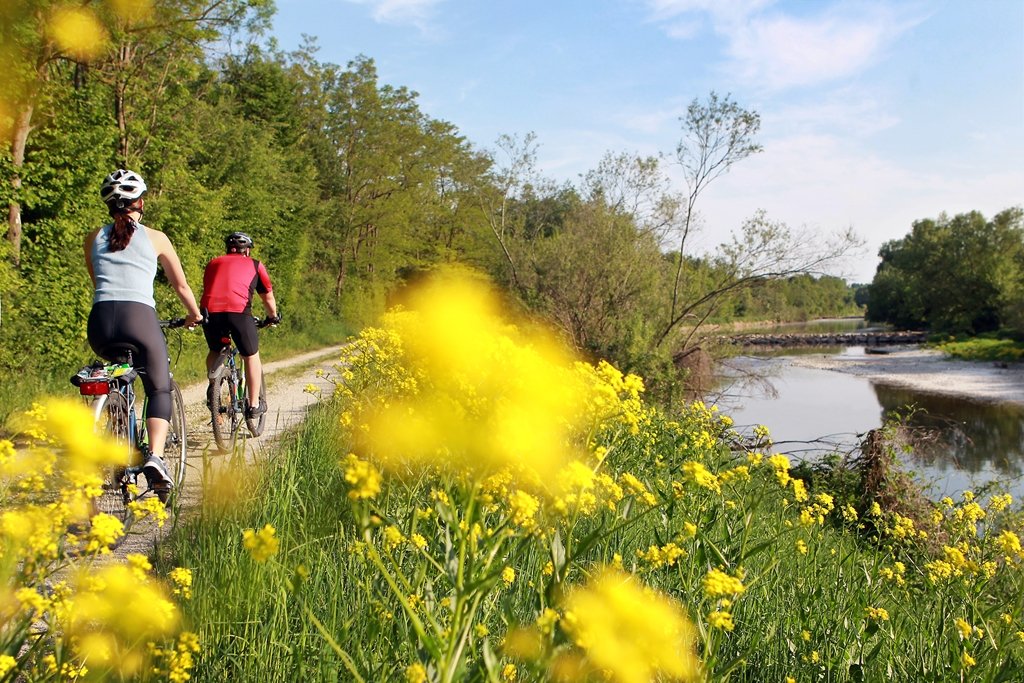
pixel 120 353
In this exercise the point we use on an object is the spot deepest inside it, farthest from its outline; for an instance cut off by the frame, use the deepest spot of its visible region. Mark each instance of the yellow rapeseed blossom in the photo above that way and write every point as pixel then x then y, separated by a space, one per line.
pixel 393 537
pixel 415 673
pixel 721 620
pixel 666 555
pixel 877 613
pixel 1000 502
pixel 508 575
pixel 262 544
pixel 630 633
pixel 801 547
pixel 7 664
pixel 77 31
pixel 966 660
pixel 182 580
pixel 523 508
pixel 1009 542
pixel 964 627
pixel 509 673
pixel 363 478
pixel 699 474
pixel 718 584
pixel 104 531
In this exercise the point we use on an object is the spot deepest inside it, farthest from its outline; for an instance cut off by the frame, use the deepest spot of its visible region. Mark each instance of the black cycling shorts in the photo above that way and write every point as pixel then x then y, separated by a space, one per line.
pixel 116 324
pixel 238 326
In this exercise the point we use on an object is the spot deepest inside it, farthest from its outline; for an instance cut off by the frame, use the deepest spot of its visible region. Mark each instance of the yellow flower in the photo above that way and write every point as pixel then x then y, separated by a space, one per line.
pixel 418 541
pixel 262 544
pixel 721 620
pixel 363 478
pixel 104 531
pixel 7 663
pixel 801 547
pixel 877 613
pixel 509 673
pixel 806 636
pixel 415 673
pixel 393 537
pixel 966 660
pixel 524 507
pixel 182 580
pixel 508 575
pixel 719 584
pixel 78 32
pixel 699 474
pixel 965 629
pixel 633 633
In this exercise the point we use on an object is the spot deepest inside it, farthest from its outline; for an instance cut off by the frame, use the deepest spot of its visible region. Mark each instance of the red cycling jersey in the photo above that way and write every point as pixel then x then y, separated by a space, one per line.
pixel 229 282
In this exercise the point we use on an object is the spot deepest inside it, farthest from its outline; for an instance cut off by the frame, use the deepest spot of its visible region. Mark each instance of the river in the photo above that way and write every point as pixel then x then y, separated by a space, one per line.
pixel 811 411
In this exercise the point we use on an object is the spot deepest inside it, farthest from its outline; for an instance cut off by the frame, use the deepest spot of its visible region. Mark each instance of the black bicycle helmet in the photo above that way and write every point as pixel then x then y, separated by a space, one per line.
pixel 121 188
pixel 237 241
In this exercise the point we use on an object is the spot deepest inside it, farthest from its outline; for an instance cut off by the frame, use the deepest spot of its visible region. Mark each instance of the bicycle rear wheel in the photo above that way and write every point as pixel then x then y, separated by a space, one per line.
pixel 115 421
pixel 224 411
pixel 256 424
pixel 176 446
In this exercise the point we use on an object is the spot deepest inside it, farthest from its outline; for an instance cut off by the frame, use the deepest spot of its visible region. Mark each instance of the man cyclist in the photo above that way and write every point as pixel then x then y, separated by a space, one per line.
pixel 228 284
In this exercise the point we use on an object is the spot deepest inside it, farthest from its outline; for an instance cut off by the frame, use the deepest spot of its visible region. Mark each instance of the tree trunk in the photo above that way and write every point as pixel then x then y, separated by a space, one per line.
pixel 22 127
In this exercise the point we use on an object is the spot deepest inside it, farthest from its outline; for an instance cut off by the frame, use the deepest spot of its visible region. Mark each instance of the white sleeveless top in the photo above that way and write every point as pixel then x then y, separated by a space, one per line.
pixel 125 275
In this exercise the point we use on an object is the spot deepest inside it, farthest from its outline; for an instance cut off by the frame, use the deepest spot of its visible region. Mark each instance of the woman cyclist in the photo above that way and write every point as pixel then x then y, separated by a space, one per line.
pixel 122 259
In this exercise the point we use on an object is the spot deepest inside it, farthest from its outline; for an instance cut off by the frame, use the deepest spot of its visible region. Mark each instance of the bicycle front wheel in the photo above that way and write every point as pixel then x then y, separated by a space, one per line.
pixel 176 446
pixel 116 422
pixel 223 411
pixel 256 424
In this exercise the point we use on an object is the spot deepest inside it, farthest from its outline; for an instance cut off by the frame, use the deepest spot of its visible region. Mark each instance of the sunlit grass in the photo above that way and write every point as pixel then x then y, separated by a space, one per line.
pixel 347 558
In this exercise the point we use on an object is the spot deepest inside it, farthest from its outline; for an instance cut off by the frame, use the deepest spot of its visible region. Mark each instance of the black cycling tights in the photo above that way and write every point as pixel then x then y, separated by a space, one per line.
pixel 117 323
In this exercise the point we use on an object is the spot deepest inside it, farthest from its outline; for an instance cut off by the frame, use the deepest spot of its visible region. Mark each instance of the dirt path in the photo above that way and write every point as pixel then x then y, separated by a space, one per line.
pixel 287 402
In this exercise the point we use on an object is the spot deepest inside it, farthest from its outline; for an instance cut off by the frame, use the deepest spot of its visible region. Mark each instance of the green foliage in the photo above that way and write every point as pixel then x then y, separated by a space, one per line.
pixel 963 274
pixel 984 349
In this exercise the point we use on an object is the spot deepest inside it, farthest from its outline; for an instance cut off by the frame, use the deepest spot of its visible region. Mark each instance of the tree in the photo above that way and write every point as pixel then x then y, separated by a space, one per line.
pixel 957 275
pixel 716 135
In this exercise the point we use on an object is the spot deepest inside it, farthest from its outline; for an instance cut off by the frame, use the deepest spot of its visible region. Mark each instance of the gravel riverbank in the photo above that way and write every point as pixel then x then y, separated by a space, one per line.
pixel 928 371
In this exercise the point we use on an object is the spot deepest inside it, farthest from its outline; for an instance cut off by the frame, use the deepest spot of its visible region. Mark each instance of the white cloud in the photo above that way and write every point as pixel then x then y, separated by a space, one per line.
pixel 415 12
pixel 782 52
pixel 829 183
pixel 772 50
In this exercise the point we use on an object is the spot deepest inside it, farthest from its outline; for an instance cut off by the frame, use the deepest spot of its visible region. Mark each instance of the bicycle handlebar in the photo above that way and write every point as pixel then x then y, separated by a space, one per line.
pixel 266 322
pixel 173 323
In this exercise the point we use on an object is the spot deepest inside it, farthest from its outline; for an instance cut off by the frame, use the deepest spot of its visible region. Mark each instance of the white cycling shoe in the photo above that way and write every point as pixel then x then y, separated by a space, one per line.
pixel 157 475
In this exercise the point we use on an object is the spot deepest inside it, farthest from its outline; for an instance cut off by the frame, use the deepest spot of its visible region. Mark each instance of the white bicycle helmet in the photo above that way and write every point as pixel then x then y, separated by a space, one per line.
pixel 122 187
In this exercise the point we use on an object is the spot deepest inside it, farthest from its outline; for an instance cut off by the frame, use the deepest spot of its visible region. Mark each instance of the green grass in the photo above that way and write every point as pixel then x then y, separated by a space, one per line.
pixel 983 349
pixel 322 610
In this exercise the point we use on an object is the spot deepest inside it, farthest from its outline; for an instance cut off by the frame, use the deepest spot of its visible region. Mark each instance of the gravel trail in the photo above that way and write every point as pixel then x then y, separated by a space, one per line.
pixel 288 403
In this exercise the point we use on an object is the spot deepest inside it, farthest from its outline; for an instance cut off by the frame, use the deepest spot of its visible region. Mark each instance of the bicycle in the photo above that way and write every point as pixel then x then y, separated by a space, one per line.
pixel 112 389
pixel 228 396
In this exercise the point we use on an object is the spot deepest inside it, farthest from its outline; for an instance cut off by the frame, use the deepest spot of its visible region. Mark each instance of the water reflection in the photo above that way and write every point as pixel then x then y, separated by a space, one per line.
pixel 974 437
pixel 811 412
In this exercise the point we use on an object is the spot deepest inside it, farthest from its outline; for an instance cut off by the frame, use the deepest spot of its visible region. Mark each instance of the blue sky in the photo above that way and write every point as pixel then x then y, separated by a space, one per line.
pixel 874 114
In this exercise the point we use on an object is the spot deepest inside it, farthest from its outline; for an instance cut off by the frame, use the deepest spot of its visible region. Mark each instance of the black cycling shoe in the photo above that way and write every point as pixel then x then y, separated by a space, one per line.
pixel 256 411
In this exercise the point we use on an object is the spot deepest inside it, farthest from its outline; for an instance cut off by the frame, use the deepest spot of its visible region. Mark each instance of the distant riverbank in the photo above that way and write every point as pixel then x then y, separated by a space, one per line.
pixel 928 371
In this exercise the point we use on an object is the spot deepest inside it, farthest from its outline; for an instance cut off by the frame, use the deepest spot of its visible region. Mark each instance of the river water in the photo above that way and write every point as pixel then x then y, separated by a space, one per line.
pixel 810 412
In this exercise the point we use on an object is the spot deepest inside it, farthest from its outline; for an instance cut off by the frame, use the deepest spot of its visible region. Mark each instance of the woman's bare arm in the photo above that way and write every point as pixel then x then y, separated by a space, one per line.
pixel 168 259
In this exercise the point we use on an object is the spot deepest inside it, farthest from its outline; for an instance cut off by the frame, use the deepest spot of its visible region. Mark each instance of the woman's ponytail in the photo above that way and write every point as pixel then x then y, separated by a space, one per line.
pixel 124 227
